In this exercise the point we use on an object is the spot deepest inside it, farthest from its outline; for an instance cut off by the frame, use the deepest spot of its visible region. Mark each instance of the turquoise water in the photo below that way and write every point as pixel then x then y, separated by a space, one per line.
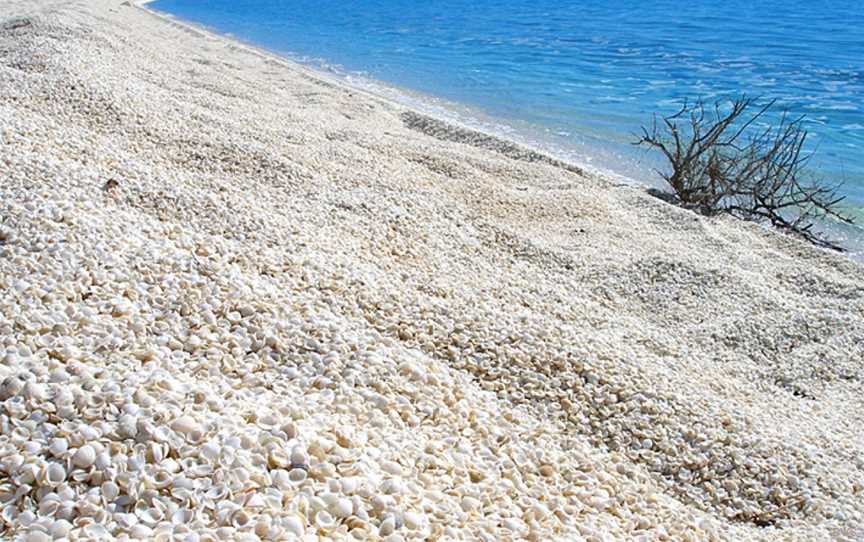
pixel 582 77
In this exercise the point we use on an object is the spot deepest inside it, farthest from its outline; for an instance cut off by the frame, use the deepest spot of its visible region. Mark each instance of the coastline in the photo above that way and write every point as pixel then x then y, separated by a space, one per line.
pixel 462 117
pixel 410 100
pixel 366 322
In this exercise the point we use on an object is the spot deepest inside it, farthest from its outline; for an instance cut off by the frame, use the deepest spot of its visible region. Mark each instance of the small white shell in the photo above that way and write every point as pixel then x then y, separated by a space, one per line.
pixel 281 478
pixel 60 528
pixel 84 457
pixel 348 485
pixel 141 532
pixel 241 520
pixel 184 424
pixel 391 467
pixel 110 491
pixel 297 476
pixel 53 474
pixel 294 525
pixel 150 516
pixel 324 521
pixel 413 520
pixel 342 508
pixel 387 526
pixel 299 457
pixel 211 451
pixel 182 516
pixel 58 447
pixel 95 531
pixel 161 479
pixel 37 536
pixel 49 504
pixel 469 504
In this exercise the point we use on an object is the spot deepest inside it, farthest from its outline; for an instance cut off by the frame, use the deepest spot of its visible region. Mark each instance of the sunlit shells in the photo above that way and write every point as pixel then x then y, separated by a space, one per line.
pixel 324 521
pixel 184 424
pixel 53 474
pixel 238 303
pixel 84 457
pixel 341 508
pixel 294 525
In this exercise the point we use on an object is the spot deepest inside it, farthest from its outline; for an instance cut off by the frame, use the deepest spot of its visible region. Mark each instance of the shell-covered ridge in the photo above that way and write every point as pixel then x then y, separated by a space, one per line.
pixel 242 302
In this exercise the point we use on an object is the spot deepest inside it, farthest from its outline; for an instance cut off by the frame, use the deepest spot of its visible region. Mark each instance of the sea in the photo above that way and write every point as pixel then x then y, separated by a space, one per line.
pixel 579 79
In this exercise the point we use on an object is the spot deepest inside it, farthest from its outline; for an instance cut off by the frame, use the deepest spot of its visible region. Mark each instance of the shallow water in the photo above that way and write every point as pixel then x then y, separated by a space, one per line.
pixel 582 77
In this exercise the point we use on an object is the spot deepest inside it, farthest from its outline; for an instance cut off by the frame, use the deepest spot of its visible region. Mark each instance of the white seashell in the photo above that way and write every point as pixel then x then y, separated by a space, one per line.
pixel 27 474
pixel 211 450
pixel 150 516
pixel 413 520
pixel 84 457
pixel 127 426
pixel 103 460
pixel 170 465
pixel 281 478
pixel 290 430
pixel 297 476
pixel 26 517
pixel 217 492
pixel 539 510
pixel 95 531
pixel 126 520
pixel 512 524
pixel 49 504
pixel 58 447
pixel 241 520
pixel 184 425
pixel 279 458
pixel 348 485
pixel 342 508
pixel 141 532
pixel 182 516
pixel 10 387
pixel 327 499
pixel 294 525
pixel 391 467
pixel 60 528
pixel 35 391
pixel 469 504
pixel 155 452
pixel 87 433
pixel 110 491
pixel 53 474
pixel 267 422
pixel 161 479
pixel 11 463
pixel 37 536
pixel 9 513
pixel 392 487
pixel 324 521
pixel 299 457
pixel 387 526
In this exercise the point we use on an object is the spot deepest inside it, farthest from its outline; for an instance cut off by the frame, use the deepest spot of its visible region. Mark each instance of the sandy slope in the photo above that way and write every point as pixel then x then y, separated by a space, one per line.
pixel 241 301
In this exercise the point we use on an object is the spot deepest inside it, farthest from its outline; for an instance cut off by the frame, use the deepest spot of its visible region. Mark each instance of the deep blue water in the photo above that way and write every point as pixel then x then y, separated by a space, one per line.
pixel 582 76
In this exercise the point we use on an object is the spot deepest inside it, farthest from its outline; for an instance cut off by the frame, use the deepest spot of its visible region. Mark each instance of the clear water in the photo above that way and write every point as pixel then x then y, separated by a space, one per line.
pixel 581 77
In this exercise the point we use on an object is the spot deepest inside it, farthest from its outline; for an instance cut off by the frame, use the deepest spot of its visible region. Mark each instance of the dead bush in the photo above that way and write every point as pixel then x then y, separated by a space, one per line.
pixel 724 159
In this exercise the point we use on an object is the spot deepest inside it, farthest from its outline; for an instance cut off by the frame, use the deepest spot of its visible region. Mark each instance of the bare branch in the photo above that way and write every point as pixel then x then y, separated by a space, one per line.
pixel 761 177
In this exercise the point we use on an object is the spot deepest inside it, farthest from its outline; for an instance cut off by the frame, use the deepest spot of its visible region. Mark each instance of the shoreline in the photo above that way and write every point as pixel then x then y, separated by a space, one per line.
pixel 852 237
pixel 399 97
pixel 246 302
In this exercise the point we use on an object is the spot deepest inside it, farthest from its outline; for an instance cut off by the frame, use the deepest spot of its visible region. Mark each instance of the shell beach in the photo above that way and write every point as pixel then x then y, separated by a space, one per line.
pixel 241 301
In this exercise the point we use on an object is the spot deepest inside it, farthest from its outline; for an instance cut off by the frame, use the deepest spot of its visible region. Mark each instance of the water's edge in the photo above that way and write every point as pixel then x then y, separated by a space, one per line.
pixel 460 116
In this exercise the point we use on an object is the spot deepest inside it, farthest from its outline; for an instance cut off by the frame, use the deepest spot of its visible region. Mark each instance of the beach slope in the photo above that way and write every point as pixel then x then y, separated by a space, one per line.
pixel 241 300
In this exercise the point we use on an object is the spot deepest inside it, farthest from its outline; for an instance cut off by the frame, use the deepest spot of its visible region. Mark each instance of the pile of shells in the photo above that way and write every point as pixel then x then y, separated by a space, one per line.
pixel 243 303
